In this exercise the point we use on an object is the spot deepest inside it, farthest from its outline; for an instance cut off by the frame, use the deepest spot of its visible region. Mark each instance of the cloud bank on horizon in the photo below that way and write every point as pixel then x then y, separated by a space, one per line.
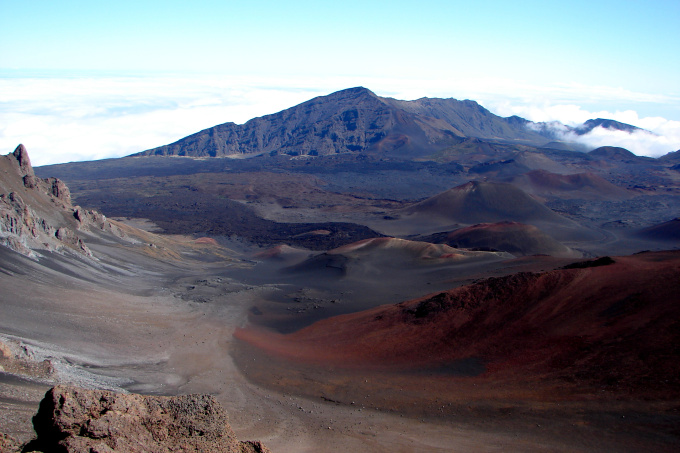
pixel 658 136
pixel 88 118
pixel 63 95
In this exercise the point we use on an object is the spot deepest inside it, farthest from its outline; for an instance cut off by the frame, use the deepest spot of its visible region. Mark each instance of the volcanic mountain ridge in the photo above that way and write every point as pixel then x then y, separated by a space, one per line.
pixel 357 120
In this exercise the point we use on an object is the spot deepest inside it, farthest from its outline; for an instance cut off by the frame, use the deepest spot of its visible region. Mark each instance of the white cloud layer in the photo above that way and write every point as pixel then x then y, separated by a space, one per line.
pixel 69 119
pixel 641 143
pixel 660 136
pixel 62 120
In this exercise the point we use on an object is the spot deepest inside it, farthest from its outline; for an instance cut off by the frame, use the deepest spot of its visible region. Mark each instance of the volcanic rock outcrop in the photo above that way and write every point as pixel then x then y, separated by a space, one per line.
pixel 37 213
pixel 16 359
pixel 74 420
pixel 8 444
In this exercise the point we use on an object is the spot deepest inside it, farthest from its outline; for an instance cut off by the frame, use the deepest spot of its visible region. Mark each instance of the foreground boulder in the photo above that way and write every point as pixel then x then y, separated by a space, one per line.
pixel 9 444
pixel 76 420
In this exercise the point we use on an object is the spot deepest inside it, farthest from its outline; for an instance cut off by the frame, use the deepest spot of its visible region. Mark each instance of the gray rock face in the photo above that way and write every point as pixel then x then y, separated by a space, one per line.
pixel 74 420
pixel 24 231
pixel 20 228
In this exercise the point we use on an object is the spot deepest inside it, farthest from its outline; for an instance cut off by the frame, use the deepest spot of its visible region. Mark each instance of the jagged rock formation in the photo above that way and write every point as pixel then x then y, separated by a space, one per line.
pixel 37 213
pixel 72 420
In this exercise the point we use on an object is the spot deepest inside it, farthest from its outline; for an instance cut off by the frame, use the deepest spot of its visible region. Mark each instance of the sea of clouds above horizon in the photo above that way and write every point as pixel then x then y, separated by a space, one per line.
pixel 64 119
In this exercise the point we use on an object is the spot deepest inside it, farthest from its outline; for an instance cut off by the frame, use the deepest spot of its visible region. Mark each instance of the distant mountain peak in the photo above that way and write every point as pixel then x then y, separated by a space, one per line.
pixel 612 152
pixel 356 120
pixel 613 125
pixel 353 120
pixel 347 93
pixel 673 156
pixel 468 186
pixel 355 90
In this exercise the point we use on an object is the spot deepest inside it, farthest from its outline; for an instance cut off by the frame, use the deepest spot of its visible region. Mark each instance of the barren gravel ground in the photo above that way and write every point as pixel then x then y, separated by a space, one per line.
pixel 163 344
pixel 167 328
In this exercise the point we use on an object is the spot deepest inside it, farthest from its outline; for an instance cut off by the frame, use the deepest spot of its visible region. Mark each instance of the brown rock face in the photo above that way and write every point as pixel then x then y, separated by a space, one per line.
pixel 58 189
pixel 77 420
pixel 9 444
pixel 21 155
pixel 14 359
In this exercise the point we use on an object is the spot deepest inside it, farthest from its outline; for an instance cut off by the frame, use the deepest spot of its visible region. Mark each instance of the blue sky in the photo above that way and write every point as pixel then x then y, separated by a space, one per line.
pixel 85 80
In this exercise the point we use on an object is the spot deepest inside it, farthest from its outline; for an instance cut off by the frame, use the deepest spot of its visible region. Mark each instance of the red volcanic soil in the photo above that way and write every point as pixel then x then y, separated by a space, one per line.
pixel 206 240
pixel 667 231
pixel 479 202
pixel 392 142
pixel 599 326
pixel 387 257
pixel 587 185
pixel 395 248
pixel 513 237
